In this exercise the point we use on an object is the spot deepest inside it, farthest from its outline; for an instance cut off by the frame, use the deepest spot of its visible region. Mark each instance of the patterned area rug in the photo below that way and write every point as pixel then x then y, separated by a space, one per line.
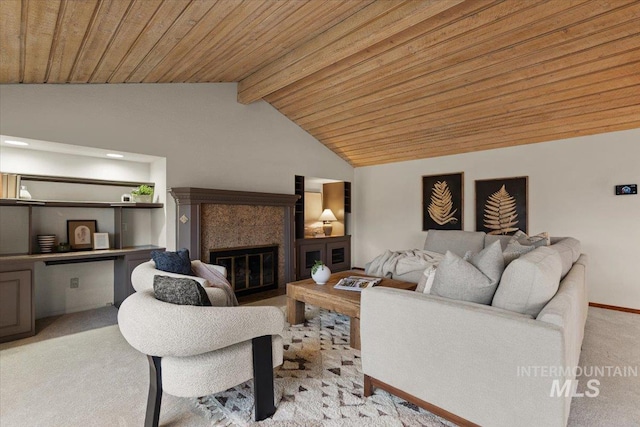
pixel 319 384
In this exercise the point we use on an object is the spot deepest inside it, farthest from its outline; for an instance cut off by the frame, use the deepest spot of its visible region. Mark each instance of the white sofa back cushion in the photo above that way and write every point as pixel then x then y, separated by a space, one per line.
pixel 569 250
pixel 529 282
pixel 456 241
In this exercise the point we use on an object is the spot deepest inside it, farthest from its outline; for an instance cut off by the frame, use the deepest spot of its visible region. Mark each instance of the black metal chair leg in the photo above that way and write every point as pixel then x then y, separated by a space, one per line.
pixel 152 417
pixel 263 377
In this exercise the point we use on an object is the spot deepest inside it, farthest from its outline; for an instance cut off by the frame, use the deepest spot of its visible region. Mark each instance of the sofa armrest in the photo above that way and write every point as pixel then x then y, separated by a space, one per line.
pixel 466 358
pixel 162 329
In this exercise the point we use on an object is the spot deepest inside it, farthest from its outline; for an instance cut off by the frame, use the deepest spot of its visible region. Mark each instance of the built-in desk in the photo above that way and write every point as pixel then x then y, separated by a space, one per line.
pixel 17 278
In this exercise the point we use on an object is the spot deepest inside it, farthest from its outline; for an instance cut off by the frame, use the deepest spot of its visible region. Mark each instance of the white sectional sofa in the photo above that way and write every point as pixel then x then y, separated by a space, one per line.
pixel 480 364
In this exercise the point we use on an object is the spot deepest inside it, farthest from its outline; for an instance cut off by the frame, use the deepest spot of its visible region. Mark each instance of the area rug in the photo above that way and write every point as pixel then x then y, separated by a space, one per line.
pixel 319 384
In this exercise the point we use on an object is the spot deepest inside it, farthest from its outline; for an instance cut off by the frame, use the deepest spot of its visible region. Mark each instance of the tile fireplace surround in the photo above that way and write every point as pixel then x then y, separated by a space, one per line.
pixel 210 219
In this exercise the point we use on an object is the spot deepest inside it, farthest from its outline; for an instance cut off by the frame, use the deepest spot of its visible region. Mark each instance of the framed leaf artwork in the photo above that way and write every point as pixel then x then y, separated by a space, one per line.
pixel 442 198
pixel 501 205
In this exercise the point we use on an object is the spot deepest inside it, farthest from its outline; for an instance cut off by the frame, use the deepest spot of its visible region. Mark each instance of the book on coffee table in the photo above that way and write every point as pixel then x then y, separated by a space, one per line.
pixel 357 283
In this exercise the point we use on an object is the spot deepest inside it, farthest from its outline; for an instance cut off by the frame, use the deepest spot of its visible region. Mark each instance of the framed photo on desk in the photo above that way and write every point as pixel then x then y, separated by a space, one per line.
pixel 80 233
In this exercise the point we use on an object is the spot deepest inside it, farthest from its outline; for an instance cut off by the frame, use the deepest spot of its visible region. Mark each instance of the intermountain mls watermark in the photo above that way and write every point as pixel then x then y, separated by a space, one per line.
pixel 567 387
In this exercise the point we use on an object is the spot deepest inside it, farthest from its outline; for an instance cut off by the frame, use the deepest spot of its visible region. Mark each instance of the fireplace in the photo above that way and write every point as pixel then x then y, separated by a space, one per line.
pixel 249 269
pixel 211 219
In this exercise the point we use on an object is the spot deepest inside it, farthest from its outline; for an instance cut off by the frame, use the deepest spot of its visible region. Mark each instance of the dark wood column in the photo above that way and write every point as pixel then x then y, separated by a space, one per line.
pixel 189 201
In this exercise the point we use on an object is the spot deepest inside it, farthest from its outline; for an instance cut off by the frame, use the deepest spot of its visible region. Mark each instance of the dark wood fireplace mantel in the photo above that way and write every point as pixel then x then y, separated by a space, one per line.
pixel 191 195
pixel 189 201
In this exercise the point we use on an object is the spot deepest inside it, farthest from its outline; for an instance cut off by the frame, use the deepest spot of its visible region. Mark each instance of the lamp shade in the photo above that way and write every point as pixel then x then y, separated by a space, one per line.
pixel 327 215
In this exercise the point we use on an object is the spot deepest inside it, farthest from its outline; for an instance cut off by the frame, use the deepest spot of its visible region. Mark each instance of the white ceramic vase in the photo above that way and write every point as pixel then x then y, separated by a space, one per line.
pixel 322 274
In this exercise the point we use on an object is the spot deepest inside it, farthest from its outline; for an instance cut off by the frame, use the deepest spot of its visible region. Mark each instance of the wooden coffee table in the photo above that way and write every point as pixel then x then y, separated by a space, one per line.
pixel 340 301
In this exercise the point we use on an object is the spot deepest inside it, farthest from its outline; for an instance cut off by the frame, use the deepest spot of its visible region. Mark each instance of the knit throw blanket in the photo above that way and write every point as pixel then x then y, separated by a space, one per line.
pixel 215 279
pixel 392 263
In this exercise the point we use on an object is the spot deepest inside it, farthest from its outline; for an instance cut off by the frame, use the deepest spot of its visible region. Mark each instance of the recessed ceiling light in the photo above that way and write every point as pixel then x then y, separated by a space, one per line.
pixel 16 142
pixel 117 156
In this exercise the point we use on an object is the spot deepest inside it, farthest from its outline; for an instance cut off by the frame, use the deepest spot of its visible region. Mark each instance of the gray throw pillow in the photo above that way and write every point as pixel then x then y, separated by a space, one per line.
pixel 181 291
pixel 177 262
pixel 514 250
pixel 529 282
pixel 474 280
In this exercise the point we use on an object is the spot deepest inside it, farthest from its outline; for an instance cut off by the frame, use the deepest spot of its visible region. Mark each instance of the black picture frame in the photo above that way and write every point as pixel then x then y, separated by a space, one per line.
pixel 502 211
pixel 443 202
pixel 80 233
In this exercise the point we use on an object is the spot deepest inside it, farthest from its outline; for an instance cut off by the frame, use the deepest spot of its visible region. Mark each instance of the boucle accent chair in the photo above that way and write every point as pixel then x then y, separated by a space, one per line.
pixel 196 351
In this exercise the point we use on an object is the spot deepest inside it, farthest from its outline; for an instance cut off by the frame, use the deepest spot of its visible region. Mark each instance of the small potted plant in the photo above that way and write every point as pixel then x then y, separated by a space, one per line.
pixel 142 194
pixel 320 272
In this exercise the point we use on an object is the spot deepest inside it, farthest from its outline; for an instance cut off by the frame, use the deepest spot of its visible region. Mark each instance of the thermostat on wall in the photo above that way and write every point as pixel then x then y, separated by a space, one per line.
pixel 625 189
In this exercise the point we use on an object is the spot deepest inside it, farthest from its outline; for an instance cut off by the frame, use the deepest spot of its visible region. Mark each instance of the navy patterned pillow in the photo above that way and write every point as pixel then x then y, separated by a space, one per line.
pixel 173 262
pixel 179 290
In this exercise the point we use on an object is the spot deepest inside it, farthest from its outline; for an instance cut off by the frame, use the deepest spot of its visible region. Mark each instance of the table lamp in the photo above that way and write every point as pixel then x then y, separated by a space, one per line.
pixel 326 217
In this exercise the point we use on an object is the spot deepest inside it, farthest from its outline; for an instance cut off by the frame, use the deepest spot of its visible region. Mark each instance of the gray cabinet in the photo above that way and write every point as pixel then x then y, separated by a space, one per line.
pixel 16 308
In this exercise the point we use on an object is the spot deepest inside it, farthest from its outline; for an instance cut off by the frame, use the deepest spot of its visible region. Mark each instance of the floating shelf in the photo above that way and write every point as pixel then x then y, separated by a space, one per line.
pixel 78 204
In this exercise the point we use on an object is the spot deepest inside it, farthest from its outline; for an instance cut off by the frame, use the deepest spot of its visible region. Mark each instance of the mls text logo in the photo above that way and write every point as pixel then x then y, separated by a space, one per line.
pixel 570 387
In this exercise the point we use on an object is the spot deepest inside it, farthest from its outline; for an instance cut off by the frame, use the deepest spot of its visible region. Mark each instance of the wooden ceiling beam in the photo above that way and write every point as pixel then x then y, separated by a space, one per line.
pixel 457 20
pixel 367 27
pixel 262 49
pixel 261 38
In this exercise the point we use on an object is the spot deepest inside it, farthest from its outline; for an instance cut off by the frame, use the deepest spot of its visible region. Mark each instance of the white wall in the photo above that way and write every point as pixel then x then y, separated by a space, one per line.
pixel 208 139
pixel 571 193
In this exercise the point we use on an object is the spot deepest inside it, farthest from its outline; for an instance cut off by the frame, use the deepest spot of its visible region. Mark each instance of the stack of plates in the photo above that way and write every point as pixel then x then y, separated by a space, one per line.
pixel 46 242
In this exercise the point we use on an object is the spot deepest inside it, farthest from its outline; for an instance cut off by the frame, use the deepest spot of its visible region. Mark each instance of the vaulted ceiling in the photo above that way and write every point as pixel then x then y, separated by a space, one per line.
pixel 375 81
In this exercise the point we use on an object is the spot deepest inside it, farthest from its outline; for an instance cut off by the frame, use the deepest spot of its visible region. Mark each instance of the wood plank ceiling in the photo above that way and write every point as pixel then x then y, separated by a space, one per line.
pixel 375 81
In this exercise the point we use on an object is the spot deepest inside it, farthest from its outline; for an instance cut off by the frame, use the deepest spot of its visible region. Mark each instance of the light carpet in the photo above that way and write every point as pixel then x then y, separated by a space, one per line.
pixel 319 384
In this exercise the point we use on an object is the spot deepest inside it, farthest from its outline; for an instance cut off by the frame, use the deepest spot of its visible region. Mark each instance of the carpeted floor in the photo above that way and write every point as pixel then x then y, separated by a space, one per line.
pixel 73 375
pixel 319 384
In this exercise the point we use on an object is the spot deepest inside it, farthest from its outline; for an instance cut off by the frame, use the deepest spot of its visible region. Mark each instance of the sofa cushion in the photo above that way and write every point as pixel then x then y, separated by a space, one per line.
pixel 455 241
pixel 529 282
pixel 474 280
pixel 569 251
pixel 179 290
pixel 173 262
